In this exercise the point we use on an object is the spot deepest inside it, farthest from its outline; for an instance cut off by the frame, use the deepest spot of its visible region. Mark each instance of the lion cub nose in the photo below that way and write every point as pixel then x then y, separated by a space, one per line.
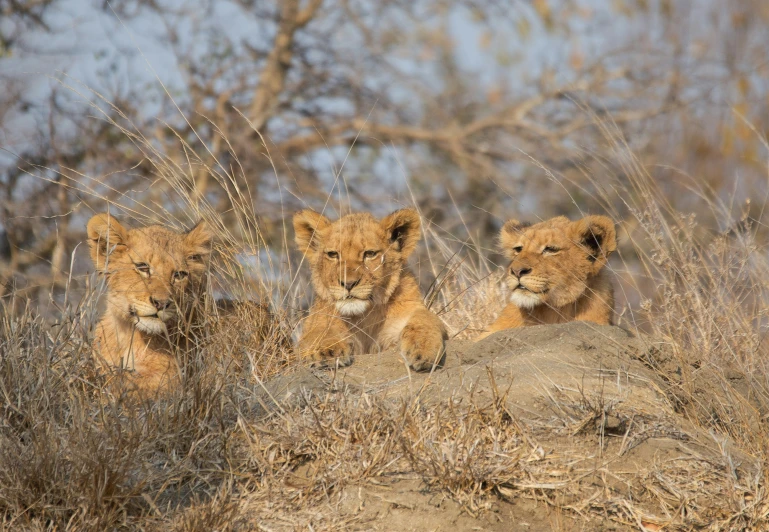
pixel 519 272
pixel 160 304
pixel 349 285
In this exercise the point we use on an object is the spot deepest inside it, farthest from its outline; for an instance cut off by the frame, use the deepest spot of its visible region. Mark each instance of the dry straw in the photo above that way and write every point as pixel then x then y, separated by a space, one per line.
pixel 76 454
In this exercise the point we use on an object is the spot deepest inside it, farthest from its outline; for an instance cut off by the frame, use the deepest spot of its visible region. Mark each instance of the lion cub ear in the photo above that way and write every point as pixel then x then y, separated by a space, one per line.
pixel 510 234
pixel 404 228
pixel 306 225
pixel 197 242
pixel 598 235
pixel 105 236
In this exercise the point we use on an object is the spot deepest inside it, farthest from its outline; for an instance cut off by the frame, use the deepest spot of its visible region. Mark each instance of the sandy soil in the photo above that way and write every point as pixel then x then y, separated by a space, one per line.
pixel 612 453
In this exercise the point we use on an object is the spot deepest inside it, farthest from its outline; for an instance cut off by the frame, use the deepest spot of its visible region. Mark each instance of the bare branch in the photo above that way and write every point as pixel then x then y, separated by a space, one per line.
pixel 273 76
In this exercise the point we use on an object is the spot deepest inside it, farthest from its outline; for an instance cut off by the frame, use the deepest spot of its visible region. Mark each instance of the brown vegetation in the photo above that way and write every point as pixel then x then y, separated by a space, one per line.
pixel 253 448
pixel 575 112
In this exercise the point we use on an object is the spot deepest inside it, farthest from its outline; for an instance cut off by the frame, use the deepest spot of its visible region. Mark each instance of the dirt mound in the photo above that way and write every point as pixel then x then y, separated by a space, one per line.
pixel 541 428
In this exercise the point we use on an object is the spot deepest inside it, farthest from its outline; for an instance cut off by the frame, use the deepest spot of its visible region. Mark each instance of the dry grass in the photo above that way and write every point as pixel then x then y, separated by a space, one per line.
pixel 75 454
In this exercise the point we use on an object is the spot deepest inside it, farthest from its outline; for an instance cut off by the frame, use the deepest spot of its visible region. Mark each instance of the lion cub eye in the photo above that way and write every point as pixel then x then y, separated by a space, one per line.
pixel 142 267
pixel 194 258
pixel 180 275
pixel 370 254
pixel 518 249
pixel 550 250
pixel 332 255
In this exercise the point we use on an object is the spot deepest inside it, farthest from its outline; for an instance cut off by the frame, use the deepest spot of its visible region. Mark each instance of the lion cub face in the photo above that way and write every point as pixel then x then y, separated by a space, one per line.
pixel 552 261
pixel 356 261
pixel 152 272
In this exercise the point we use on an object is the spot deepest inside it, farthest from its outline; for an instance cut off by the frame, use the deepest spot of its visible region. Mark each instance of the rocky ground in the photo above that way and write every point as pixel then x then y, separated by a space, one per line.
pixel 567 427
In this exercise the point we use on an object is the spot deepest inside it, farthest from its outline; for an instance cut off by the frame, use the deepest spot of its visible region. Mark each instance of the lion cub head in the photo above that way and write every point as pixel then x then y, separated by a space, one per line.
pixel 356 261
pixel 152 273
pixel 553 261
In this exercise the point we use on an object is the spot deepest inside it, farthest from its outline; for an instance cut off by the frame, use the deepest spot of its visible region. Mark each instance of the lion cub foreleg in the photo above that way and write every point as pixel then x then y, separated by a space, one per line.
pixel 510 318
pixel 327 339
pixel 423 340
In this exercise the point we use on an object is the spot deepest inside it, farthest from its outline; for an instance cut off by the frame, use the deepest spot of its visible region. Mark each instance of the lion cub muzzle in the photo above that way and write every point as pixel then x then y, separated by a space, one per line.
pixel 528 288
pixel 351 301
pixel 352 297
pixel 154 316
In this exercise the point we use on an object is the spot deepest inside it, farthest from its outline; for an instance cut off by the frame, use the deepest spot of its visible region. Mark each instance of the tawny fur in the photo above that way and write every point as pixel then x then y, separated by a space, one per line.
pixel 381 306
pixel 142 264
pixel 557 273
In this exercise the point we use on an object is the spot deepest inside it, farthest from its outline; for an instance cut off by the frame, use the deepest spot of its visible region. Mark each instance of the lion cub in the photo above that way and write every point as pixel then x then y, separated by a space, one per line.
pixel 366 299
pixel 557 273
pixel 156 279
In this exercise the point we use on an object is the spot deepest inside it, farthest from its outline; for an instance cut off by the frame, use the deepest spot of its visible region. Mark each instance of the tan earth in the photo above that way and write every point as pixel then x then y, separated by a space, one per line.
pixel 603 447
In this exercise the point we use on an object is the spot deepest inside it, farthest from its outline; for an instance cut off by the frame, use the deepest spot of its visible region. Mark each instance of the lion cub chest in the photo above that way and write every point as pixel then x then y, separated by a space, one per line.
pixel 377 330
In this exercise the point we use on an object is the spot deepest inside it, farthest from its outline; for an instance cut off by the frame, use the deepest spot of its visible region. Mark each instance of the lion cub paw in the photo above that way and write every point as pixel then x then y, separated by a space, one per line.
pixel 338 355
pixel 423 347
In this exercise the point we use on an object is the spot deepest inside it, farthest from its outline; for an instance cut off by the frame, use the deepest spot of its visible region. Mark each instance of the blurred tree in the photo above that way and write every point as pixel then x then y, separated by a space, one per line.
pixel 493 106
